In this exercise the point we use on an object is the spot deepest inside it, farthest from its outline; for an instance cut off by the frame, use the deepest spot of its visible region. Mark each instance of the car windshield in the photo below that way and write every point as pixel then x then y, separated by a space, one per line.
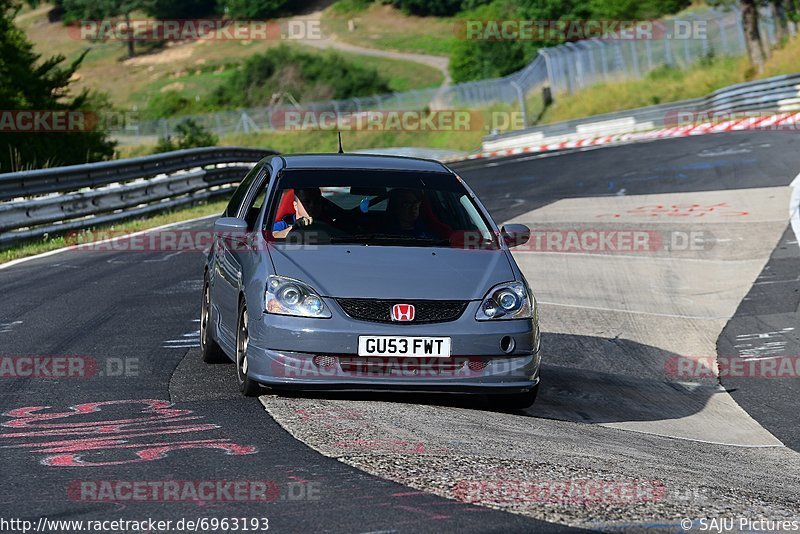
pixel 379 208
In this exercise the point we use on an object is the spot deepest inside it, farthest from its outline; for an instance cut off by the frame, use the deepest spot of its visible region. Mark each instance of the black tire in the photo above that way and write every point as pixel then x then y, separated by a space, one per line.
pixel 209 349
pixel 248 387
pixel 515 401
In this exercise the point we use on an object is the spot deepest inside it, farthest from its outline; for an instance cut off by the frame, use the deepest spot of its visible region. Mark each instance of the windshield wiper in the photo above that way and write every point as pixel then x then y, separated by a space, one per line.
pixel 390 239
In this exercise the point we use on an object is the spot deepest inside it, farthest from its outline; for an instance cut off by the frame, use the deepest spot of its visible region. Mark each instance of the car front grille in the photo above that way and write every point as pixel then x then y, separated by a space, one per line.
pixel 377 366
pixel 426 311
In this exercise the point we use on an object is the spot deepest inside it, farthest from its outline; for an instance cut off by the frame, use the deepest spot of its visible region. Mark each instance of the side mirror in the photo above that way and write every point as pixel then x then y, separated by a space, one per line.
pixel 230 227
pixel 515 234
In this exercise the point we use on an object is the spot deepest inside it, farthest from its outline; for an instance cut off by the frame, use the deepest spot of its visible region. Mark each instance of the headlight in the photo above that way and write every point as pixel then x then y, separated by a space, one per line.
pixel 511 300
pixel 290 297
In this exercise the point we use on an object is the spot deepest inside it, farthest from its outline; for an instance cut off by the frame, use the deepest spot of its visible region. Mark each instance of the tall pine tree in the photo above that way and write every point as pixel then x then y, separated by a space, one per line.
pixel 29 82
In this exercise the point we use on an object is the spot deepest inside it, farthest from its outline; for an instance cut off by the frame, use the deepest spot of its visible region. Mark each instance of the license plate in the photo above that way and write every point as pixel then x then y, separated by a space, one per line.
pixel 414 347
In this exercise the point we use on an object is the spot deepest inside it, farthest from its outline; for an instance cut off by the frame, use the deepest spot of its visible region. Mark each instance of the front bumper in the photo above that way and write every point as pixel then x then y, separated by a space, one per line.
pixel 321 354
pixel 281 370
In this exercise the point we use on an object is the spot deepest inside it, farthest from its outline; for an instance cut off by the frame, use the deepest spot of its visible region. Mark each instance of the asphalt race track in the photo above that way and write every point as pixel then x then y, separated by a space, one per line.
pixel 630 396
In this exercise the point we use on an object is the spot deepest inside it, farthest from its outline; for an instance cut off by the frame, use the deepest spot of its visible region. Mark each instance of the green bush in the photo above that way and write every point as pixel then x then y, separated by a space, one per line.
pixel 351 6
pixel 167 104
pixel 304 76
pixel 189 134
pixel 250 9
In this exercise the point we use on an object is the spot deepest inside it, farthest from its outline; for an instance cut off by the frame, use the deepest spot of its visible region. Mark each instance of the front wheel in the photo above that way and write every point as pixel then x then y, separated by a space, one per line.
pixel 515 401
pixel 248 387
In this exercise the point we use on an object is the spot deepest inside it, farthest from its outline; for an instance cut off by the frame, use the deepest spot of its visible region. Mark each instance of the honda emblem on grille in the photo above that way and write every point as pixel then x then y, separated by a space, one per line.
pixel 403 312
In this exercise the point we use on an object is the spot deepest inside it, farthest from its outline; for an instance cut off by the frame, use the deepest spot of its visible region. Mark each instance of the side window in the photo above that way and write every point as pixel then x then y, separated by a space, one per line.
pixel 241 192
pixel 254 205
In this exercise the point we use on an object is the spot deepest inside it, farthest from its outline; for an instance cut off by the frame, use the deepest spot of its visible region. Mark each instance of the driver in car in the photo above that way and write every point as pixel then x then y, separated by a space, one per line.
pixel 404 215
pixel 310 226
pixel 307 203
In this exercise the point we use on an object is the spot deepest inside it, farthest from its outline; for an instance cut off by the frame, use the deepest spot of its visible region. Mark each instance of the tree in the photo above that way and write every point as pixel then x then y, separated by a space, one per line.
pixel 180 9
pixel 789 13
pixel 781 20
pixel 485 57
pixel 473 59
pixel 105 9
pixel 753 41
pixel 28 82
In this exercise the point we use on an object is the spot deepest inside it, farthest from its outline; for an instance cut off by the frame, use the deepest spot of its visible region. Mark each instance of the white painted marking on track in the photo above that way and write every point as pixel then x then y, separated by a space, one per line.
pixel 600 308
pixel 778 443
pixel 12 263
pixel 7 327
pixel 794 207
pixel 186 341
pixel 165 258
pixel 762 345
pixel 606 255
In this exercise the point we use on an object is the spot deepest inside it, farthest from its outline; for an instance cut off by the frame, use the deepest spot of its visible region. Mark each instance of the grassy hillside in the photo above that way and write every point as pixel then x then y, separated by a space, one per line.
pixel 193 68
pixel 386 27
pixel 668 85
pixel 196 69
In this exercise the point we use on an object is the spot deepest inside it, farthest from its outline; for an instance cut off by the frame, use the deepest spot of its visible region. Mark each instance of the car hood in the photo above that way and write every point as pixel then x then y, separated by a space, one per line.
pixel 394 272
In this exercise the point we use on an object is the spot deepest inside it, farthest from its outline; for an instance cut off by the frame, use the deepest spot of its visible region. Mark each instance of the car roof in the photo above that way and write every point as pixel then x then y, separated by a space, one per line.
pixel 361 161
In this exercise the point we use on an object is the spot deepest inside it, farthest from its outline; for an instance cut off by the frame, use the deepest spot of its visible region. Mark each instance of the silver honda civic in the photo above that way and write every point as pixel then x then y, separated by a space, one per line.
pixel 357 272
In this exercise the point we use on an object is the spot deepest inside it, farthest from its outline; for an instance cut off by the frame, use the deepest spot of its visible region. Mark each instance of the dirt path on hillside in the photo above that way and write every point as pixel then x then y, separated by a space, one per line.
pixel 330 41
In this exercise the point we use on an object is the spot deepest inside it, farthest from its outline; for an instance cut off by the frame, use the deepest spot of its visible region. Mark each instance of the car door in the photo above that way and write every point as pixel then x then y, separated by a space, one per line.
pixel 227 272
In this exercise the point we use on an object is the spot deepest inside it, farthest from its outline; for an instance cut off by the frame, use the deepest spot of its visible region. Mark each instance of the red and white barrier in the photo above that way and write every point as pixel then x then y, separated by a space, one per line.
pixel 769 122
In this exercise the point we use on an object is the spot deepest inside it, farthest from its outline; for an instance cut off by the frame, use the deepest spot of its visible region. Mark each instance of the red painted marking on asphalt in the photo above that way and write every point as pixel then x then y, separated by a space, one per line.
pixel 722 209
pixel 156 418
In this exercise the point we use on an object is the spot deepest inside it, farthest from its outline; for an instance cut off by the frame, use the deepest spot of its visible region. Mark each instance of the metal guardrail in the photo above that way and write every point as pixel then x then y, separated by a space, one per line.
pixel 780 93
pixel 46 201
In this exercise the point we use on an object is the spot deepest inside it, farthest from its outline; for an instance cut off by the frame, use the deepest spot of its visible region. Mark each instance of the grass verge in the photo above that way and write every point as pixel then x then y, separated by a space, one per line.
pixel 386 27
pixel 295 142
pixel 38 246
pixel 668 85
